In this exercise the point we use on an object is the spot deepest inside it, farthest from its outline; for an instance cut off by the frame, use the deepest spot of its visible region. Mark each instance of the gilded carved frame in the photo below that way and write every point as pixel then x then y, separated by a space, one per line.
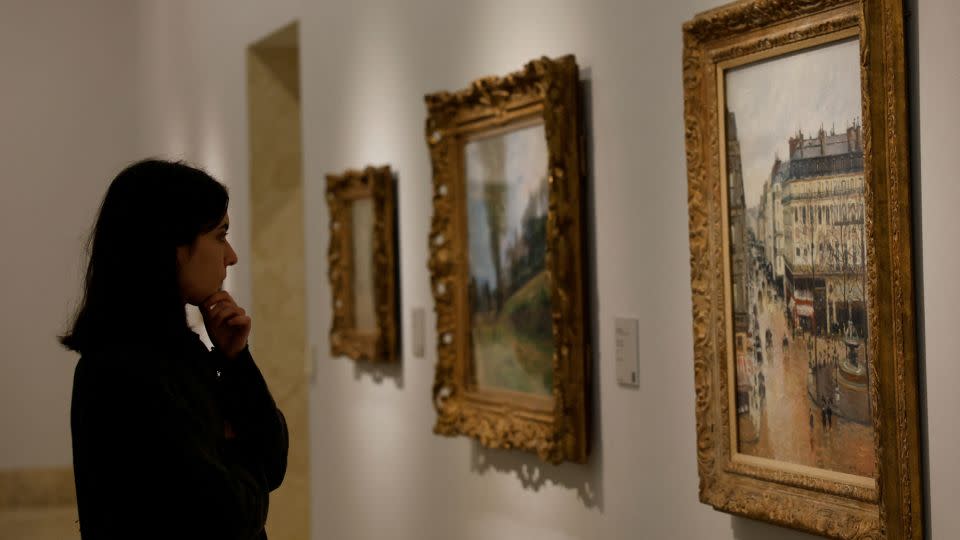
pixel 889 507
pixel 555 428
pixel 376 183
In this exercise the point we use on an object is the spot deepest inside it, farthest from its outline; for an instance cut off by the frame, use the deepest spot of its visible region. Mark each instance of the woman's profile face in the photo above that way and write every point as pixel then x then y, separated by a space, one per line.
pixel 203 266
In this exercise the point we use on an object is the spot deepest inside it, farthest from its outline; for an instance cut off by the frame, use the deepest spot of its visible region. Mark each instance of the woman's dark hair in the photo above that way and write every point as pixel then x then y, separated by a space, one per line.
pixel 131 291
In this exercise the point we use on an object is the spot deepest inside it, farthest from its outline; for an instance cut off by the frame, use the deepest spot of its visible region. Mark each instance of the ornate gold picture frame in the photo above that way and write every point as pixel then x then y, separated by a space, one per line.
pixel 506 245
pixel 363 263
pixel 801 265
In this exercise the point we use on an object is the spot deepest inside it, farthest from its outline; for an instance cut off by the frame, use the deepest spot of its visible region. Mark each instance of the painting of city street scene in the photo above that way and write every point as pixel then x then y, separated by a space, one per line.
pixel 795 181
pixel 509 291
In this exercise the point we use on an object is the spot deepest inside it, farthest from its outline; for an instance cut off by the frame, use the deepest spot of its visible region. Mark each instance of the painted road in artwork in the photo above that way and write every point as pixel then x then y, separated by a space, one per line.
pixel 509 292
pixel 838 445
pixel 795 185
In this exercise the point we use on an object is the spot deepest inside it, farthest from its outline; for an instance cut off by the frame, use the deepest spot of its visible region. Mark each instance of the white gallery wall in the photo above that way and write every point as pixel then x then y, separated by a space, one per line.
pixel 67 125
pixel 377 469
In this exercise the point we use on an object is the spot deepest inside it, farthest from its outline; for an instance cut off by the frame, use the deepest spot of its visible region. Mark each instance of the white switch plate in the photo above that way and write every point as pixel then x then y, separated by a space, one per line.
pixel 628 351
pixel 418 329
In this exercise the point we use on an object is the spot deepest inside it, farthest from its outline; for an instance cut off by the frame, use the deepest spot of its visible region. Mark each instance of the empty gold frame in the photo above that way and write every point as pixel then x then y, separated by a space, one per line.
pixel 506 263
pixel 801 266
pixel 362 258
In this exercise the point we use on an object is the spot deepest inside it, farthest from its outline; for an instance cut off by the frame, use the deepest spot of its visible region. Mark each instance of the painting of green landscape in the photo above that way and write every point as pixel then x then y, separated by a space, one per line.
pixel 509 292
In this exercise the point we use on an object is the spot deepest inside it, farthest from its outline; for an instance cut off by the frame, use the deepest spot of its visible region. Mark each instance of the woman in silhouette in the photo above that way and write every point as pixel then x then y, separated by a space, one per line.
pixel 170 439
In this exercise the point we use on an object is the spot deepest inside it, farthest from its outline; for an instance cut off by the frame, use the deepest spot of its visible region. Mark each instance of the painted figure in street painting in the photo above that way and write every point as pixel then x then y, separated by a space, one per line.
pixel 795 178
pixel 509 293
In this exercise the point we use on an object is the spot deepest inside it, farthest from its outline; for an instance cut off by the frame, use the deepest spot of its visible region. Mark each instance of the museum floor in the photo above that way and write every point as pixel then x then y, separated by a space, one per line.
pixel 39 523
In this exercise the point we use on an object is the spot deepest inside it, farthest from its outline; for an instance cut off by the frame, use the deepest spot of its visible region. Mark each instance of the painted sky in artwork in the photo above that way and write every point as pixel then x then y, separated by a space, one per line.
pixel 525 169
pixel 774 98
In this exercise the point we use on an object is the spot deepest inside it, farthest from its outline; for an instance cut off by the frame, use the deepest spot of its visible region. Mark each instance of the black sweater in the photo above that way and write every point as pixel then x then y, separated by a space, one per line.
pixel 150 452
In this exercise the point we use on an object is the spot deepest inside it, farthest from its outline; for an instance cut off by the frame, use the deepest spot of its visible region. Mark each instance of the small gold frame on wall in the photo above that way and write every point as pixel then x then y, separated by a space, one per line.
pixel 362 259
pixel 731 265
pixel 530 114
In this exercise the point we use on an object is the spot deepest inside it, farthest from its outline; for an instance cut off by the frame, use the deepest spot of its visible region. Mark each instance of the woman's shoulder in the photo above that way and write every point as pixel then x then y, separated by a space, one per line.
pixel 124 382
pixel 153 361
pixel 128 362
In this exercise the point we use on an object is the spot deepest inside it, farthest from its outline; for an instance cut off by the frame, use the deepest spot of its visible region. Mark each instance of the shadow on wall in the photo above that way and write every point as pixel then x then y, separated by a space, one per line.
pixel 748 529
pixel 379 372
pixel 533 473
pixel 912 33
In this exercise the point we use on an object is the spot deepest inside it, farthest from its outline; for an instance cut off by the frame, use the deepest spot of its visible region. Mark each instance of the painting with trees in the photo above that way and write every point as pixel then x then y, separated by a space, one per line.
pixel 506 261
pixel 509 293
